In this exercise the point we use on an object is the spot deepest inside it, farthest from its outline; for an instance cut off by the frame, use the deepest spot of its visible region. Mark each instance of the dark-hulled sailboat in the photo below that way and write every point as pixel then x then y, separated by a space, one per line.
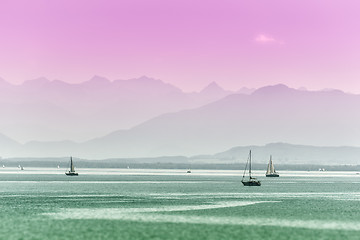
pixel 270 172
pixel 71 172
pixel 251 181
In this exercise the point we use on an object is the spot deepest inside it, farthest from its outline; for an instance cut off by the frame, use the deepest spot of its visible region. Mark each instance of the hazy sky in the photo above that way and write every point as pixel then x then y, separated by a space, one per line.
pixel 188 43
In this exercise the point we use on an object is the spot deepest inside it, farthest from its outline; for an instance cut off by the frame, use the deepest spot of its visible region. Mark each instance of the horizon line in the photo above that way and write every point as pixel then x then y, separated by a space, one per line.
pixel 301 88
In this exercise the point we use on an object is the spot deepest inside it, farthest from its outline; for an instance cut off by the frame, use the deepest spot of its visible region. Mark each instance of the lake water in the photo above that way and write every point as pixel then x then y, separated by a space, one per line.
pixel 171 204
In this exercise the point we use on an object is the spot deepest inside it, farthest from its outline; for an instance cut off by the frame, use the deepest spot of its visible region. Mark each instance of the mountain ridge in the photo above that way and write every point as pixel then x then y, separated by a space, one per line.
pixel 282 154
pixel 95 107
pixel 272 114
pixel 311 116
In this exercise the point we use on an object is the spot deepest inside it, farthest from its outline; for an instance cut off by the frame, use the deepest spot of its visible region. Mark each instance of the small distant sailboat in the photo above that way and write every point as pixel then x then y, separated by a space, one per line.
pixel 3 166
pixel 71 172
pixel 270 172
pixel 21 167
pixel 58 166
pixel 251 181
pixel 188 171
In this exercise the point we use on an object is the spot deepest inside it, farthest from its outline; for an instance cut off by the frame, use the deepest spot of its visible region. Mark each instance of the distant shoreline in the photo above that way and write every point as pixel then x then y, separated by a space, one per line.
pixel 138 164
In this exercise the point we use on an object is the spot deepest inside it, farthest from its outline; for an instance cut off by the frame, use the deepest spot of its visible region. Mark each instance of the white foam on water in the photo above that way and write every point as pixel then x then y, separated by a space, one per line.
pixel 91 212
pixel 109 201
pixel 276 195
pixel 354 196
pixel 151 215
pixel 77 196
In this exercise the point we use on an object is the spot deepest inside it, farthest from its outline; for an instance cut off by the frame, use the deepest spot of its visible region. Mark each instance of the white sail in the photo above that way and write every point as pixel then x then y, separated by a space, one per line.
pixel 270 167
pixel 268 171
pixel 72 168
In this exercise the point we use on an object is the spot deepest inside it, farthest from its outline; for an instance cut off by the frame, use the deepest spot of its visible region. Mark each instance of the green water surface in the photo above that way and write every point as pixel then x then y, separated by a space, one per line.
pixel 179 206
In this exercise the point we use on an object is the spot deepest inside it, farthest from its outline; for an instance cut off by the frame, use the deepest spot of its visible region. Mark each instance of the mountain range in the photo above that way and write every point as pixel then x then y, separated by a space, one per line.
pixel 269 114
pixel 45 110
pixel 284 153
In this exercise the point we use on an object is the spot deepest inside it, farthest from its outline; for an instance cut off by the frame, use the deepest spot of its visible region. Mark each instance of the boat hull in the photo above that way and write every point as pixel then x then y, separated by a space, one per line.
pixel 251 183
pixel 71 173
pixel 272 175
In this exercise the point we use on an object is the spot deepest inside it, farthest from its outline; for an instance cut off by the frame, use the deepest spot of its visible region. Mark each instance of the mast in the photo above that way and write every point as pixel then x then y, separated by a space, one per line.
pixel 247 162
pixel 250 165
pixel 72 169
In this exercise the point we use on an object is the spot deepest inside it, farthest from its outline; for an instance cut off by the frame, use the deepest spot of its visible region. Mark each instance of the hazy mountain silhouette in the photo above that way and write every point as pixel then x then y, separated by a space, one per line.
pixel 8 146
pixel 45 110
pixel 270 114
pixel 283 153
pixel 214 90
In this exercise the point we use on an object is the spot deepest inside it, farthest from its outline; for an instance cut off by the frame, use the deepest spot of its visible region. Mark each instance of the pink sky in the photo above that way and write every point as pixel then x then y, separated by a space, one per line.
pixel 188 43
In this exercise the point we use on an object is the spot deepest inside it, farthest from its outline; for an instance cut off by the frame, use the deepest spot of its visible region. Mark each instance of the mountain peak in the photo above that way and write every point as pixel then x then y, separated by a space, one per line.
pixel 144 77
pixel 146 80
pixel 97 81
pixel 147 84
pixel 97 78
pixel 213 87
pixel 278 89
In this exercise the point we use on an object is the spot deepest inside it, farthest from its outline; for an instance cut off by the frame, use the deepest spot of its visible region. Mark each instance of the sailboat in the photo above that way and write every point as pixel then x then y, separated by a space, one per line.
pixel 71 172
pixel 270 172
pixel 251 181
